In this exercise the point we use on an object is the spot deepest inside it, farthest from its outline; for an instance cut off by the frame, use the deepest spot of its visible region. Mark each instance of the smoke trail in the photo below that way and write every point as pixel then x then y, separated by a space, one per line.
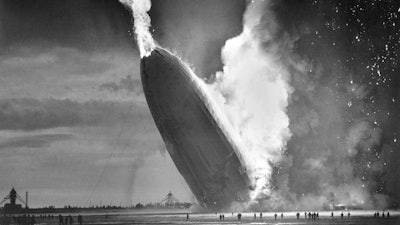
pixel 142 22
pixel 253 92
pixel 343 108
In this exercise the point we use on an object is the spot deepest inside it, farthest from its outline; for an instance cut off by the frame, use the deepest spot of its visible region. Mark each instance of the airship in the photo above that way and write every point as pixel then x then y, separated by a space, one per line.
pixel 203 153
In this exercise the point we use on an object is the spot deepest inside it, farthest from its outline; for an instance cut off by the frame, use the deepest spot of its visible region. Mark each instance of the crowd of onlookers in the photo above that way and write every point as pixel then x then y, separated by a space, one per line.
pixel 32 219
pixel 69 220
pixel 377 215
pixel 19 220
pixel 307 215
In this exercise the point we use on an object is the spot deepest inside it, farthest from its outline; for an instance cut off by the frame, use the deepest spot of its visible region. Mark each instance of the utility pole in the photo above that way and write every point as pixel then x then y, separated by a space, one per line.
pixel 26 200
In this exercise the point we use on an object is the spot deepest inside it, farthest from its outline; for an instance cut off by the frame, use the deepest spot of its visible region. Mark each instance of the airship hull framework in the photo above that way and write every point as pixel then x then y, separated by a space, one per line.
pixel 197 145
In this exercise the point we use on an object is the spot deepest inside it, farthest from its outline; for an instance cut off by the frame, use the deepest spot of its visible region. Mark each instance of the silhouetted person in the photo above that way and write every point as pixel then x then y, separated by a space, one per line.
pixel 60 220
pixel 377 214
pixel 33 221
pixel 80 220
pixel 187 216
pixel 261 215
pixel 239 216
pixel 383 214
pixel 275 216
pixel 341 215
pixel 388 215
pixel 281 215
pixel 297 215
pixel 5 220
pixel 223 217
pixel 305 215
pixel 331 214
pixel 348 215
pixel 309 215
pixel 255 216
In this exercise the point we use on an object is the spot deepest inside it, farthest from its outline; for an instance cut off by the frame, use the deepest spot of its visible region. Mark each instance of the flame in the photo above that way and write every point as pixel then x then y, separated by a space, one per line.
pixel 142 23
pixel 248 99
pixel 253 90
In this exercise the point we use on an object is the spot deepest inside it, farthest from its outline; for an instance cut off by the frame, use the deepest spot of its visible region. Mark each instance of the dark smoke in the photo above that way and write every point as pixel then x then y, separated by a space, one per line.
pixel 197 29
pixel 344 110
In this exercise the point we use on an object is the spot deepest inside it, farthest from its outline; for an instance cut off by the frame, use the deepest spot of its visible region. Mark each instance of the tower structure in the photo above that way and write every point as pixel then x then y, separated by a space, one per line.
pixel 13 206
pixel 169 200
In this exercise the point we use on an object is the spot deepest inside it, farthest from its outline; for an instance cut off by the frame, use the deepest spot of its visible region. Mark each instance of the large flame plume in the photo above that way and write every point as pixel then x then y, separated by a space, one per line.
pixel 341 147
pixel 142 24
pixel 253 91
pixel 248 98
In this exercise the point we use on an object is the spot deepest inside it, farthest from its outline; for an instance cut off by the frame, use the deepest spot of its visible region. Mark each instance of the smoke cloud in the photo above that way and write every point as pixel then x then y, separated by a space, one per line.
pixel 316 126
pixel 142 24
pixel 311 92
pixel 253 91
pixel 339 110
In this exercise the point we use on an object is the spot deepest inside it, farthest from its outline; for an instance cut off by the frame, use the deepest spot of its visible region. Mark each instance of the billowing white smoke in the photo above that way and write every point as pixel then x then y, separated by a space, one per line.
pixel 253 92
pixel 142 23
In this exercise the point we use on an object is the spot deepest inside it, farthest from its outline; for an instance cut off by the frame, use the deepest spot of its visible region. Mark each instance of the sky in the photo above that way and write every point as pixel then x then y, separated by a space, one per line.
pixel 75 128
pixel 74 125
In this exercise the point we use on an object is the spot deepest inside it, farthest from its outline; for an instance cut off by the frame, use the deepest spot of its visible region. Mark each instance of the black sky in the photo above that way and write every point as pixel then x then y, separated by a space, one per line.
pixel 344 111
pixel 73 118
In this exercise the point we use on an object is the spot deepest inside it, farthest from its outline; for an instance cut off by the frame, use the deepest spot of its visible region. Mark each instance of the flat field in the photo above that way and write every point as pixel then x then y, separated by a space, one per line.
pixel 120 218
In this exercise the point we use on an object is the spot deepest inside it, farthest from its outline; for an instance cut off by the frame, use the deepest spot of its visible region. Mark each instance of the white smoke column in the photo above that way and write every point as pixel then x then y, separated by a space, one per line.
pixel 253 92
pixel 142 22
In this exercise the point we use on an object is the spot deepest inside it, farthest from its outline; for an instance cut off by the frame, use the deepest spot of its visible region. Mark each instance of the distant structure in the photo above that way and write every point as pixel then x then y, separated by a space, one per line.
pixel 169 201
pixel 12 206
pixel 332 197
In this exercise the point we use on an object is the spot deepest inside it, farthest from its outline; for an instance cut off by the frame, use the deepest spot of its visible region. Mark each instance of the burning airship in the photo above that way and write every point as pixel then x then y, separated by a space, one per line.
pixel 201 149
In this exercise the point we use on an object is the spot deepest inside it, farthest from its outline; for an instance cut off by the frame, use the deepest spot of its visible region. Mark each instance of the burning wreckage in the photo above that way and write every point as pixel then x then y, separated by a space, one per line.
pixel 202 151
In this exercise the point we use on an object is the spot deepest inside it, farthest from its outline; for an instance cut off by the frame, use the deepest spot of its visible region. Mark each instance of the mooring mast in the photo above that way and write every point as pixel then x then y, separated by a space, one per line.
pixel 169 200
pixel 13 196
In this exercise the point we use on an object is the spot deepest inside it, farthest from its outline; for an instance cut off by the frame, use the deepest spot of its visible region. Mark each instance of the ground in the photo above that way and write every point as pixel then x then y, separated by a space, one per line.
pixel 119 218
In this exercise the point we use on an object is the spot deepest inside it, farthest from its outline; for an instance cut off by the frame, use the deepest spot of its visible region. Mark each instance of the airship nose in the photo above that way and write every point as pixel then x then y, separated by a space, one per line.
pixel 196 143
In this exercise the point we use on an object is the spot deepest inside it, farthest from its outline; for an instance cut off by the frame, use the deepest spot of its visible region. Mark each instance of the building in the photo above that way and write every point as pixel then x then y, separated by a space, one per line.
pixel 13 207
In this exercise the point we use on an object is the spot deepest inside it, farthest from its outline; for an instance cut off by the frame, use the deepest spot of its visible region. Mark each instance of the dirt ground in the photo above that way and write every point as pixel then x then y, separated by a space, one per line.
pixel 115 218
